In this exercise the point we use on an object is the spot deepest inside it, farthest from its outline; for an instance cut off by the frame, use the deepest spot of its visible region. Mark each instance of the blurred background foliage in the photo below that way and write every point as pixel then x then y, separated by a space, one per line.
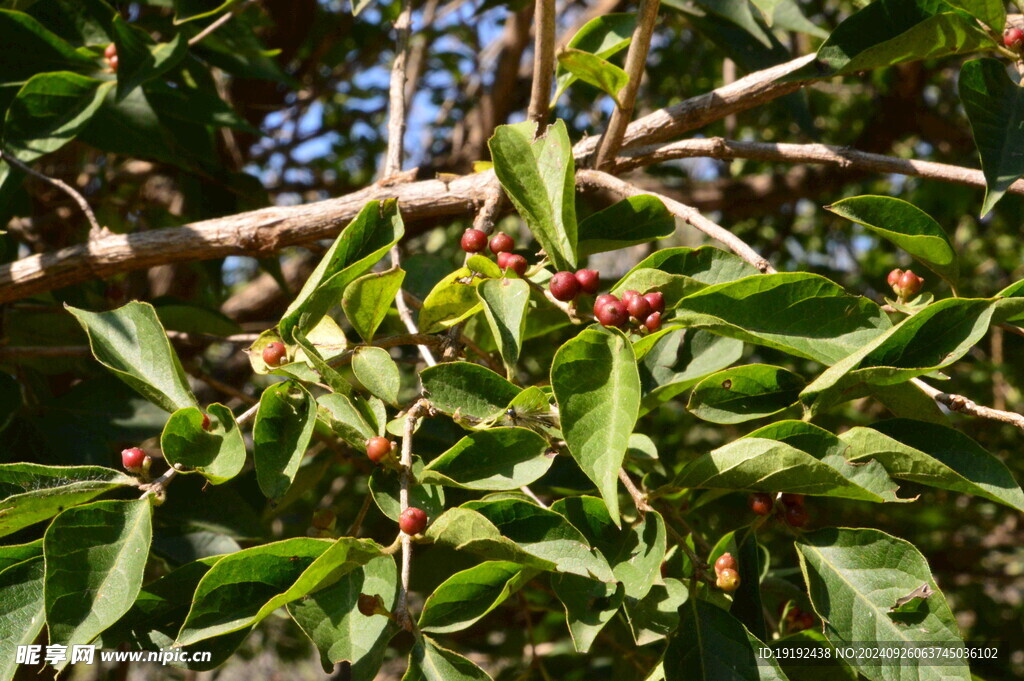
pixel 287 103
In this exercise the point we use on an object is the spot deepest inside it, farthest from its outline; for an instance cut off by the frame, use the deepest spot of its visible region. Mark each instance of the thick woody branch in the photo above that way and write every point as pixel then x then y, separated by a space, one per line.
pixel 636 59
pixel 596 179
pixel 961 404
pixel 843 157
pixel 543 62
pixel 396 103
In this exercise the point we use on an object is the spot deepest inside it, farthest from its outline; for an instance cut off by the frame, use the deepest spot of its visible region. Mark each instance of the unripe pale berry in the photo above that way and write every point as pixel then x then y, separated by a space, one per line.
pixel 378 448
pixel 501 243
pixel 638 307
pixel 133 458
pixel 413 520
pixel 274 353
pixel 564 286
pixel 761 503
pixel 728 580
pixel 1013 38
pixel 473 240
pixel 796 516
pixel 206 421
pixel 611 313
pixel 590 280
pixel 517 264
pixel 656 299
pixel 909 284
pixel 725 562
pixel 653 322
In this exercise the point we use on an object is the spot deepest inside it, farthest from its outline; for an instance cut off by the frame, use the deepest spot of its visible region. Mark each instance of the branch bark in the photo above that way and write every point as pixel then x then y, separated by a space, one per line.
pixel 964 405
pixel 396 98
pixel 543 63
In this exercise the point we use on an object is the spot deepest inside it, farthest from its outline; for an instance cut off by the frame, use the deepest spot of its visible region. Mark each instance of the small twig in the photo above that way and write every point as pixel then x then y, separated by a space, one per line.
pixel 158 487
pixel 357 524
pixel 961 404
pixel 248 415
pixel 690 215
pixel 95 230
pixel 396 96
pixel 639 498
pixel 406 478
pixel 220 386
pixel 221 20
pixel 203 338
pixel 543 62
pixel 405 314
pixel 636 59
pixel 525 489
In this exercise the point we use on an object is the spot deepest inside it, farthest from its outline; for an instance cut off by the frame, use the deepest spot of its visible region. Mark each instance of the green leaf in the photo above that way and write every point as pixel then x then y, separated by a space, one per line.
pixel 281 434
pixel 30 493
pixel 385 487
pixel 812 317
pixel 331 619
pixel 632 221
pixel 854 578
pixel 377 372
pixel 737 12
pixel 468 596
pixel 766 465
pixel 30 48
pixel 994 104
pixel 656 615
pixel 22 611
pixel 19 553
pixel 468 390
pixel 594 70
pixel 888 32
pixel 95 558
pixel 539 178
pixel 366 300
pixel 493 460
pixel 931 339
pixel 190 10
pixel 707 264
pixel 467 530
pixel 991 12
pixel 131 342
pixel 905 225
pixel 360 245
pixel 428 661
pixel 451 301
pixel 244 587
pixel 218 453
pixel 712 644
pixel 310 352
pixel 745 393
pixel 935 455
pixel 596 384
pixel 346 419
pixel 602 36
pixel 139 58
pixel 679 360
pixel 589 606
pixel 505 302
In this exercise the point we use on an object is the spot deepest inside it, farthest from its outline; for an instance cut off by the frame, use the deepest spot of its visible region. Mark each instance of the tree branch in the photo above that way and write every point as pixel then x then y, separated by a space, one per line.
pixel 636 60
pixel 95 230
pixel 543 62
pixel 599 180
pixel 406 477
pixel 961 404
pixel 396 99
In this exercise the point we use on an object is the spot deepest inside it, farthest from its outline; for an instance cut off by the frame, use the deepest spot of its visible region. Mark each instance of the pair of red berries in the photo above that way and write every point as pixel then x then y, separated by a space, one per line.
pixel 905 284
pixel 794 513
pixel 644 310
pixel 501 245
pixel 727 570
pixel 566 286
pixel 110 53
pixel 1013 38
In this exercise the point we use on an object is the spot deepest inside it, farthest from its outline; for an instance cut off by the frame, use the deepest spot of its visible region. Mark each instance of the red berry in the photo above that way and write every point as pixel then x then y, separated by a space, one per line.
pixel 611 313
pixel 725 562
pixel 629 295
pixel 367 604
pixel 501 243
pixel 378 448
pixel 133 458
pixel 894 277
pixel 473 240
pixel 604 298
pixel 589 280
pixel 112 62
pixel 412 520
pixel 761 503
pixel 656 299
pixel 274 353
pixel 110 51
pixel 909 284
pixel 728 580
pixel 806 620
pixel 1013 38
pixel 517 264
pixel 653 322
pixel 503 262
pixel 206 421
pixel 793 499
pixel 638 307
pixel 796 516
pixel 564 286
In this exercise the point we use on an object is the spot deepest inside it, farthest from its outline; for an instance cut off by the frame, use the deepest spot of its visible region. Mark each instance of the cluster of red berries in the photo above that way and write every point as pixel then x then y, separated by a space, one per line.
pixel 110 53
pixel 274 354
pixel 501 245
pixel 728 573
pixel 567 286
pixel 1013 38
pixel 796 619
pixel 643 311
pixel 792 512
pixel 905 284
